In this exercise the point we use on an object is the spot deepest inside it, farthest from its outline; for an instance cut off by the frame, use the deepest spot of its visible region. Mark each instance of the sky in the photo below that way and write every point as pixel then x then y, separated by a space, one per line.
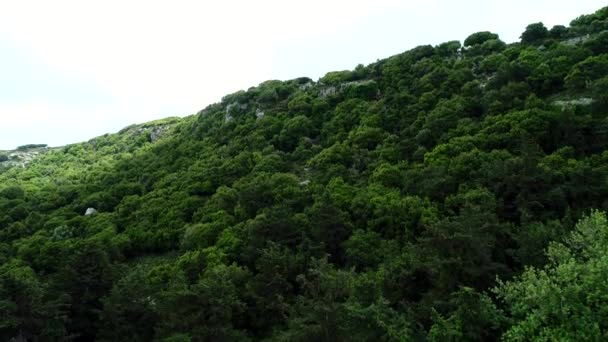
pixel 74 70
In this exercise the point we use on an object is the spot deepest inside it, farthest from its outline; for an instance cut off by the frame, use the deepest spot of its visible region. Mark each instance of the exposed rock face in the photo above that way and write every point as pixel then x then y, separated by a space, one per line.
pixel 21 157
pixel 576 40
pixel 325 92
pixel 259 113
pixel 583 101
pixel 307 86
pixel 332 90
pixel 233 108
pixel 90 211
pixel 158 132
pixel 228 117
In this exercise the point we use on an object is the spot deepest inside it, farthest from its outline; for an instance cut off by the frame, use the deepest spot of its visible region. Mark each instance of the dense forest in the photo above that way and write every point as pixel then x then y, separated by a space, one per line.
pixel 449 193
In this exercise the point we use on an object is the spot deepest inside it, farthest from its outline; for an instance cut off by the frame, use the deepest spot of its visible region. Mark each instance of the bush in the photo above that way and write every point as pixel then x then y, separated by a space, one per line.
pixel 479 38
pixel 534 34
pixel 337 77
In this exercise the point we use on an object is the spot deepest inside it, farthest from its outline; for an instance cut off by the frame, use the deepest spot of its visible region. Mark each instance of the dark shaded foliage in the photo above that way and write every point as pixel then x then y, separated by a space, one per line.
pixel 381 203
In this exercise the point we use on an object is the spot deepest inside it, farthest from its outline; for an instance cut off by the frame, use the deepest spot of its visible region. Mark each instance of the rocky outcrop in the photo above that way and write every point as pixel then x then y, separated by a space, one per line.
pixel 21 157
pixel 576 40
pixel 158 133
pixel 90 211
pixel 583 101
pixel 259 113
pixel 332 90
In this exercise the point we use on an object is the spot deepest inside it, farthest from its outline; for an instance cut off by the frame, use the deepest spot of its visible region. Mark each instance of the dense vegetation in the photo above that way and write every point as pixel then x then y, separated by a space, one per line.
pixel 447 193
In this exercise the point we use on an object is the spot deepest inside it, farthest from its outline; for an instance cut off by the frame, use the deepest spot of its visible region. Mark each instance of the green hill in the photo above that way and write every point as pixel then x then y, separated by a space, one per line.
pixel 432 195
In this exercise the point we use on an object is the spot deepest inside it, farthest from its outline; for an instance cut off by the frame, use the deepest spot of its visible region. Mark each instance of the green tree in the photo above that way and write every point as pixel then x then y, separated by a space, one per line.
pixel 534 34
pixel 566 299
pixel 587 71
pixel 475 318
pixel 558 31
pixel 85 277
pixel 26 312
pixel 479 38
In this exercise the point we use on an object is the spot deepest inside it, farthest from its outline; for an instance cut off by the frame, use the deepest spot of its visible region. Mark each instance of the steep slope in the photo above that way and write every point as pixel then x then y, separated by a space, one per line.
pixel 375 204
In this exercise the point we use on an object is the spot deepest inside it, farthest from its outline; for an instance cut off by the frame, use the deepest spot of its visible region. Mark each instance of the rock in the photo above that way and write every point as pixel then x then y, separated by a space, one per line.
pixel 307 86
pixel 236 107
pixel 576 40
pixel 157 133
pixel 90 211
pixel 583 101
pixel 325 92
pixel 21 158
pixel 332 90
pixel 228 118
pixel 259 113
pixel 233 109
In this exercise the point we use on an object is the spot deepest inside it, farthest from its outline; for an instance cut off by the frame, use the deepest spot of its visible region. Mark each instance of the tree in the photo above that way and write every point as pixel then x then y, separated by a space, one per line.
pixel 583 73
pixel 339 305
pixel 448 49
pixel 558 31
pixel 128 310
pixel 301 104
pixel 337 77
pixel 534 34
pixel 479 38
pixel 26 312
pixel 568 298
pixel 85 277
pixel 377 204
pixel 599 44
pixel 295 129
pixel 475 318
pixel 210 309
pixel 598 90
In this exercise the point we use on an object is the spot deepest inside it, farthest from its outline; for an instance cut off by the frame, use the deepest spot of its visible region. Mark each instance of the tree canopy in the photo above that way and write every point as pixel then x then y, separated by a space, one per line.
pixel 444 193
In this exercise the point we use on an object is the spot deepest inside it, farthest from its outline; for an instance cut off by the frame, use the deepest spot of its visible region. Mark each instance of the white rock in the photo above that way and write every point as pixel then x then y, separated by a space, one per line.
pixel 259 113
pixel 90 211
pixel 583 101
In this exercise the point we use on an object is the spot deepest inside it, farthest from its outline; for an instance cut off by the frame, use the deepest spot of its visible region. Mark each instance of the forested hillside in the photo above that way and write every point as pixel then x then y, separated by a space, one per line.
pixel 451 192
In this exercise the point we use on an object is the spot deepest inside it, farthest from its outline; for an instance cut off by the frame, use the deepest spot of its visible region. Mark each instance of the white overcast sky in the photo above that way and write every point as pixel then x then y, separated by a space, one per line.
pixel 73 70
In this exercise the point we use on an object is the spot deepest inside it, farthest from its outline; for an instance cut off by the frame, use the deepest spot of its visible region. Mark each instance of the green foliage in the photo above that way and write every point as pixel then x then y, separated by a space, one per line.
pixel 300 104
pixel 475 319
pixel 294 129
pixel 600 95
pixel 583 73
pixel 25 309
pixel 534 34
pixel 479 38
pixel 30 146
pixel 449 49
pixel 558 31
pixel 337 77
pixel 381 203
pixel 367 90
pixel 591 23
pixel 566 299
